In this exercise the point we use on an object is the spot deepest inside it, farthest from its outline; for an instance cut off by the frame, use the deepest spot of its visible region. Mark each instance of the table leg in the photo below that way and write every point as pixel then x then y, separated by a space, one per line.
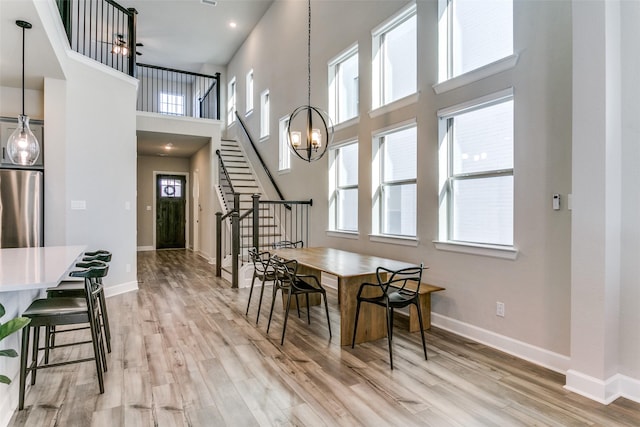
pixel 372 321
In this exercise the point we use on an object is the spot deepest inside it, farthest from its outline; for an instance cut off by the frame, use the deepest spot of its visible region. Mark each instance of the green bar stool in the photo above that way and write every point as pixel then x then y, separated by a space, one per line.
pixel 51 312
pixel 75 289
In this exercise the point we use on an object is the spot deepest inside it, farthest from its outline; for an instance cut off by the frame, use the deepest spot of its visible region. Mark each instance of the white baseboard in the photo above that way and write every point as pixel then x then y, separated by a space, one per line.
pixel 602 391
pixel 122 288
pixel 539 356
pixel 146 248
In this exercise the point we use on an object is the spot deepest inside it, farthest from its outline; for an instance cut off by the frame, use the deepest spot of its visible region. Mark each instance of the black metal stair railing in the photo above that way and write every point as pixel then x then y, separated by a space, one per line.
pixel 103 30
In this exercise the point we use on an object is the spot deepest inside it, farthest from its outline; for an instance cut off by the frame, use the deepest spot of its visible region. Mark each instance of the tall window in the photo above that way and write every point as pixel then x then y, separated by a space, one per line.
pixel 171 104
pixel 343 86
pixel 264 114
pixel 284 158
pixel 395 58
pixel 476 171
pixel 343 185
pixel 231 102
pixel 249 91
pixel 473 34
pixel 394 172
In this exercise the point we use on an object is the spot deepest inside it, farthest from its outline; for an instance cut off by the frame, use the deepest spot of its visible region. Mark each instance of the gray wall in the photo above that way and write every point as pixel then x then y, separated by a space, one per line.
pixel 536 286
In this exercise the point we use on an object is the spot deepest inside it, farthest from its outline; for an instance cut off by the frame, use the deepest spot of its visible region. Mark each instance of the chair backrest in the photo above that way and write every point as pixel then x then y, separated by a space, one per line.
pixel 261 261
pixel 287 244
pixel 98 257
pixel 285 270
pixel 405 281
pixel 87 264
pixel 92 278
pixel 98 252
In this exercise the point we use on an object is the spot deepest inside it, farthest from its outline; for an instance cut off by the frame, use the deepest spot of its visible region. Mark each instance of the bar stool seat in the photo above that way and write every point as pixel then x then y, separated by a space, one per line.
pixel 52 312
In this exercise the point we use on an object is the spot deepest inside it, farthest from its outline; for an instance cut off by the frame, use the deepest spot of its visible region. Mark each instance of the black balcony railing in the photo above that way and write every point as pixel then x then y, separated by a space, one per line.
pixel 180 93
pixel 102 30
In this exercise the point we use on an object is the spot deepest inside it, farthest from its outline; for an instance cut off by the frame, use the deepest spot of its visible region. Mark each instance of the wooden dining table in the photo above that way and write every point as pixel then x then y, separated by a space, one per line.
pixel 351 269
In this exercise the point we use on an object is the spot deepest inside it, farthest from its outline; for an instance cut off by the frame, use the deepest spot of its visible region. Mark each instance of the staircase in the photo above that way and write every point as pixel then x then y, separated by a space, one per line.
pixel 245 184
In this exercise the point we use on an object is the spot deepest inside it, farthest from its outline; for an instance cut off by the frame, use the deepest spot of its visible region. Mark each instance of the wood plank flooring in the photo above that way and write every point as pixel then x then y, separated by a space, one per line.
pixel 184 354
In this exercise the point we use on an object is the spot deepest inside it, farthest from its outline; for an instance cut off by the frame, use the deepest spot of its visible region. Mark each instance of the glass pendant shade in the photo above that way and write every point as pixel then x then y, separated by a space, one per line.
pixel 22 146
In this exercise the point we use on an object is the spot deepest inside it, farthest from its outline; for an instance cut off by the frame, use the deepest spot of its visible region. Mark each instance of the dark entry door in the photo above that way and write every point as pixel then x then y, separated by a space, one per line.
pixel 170 211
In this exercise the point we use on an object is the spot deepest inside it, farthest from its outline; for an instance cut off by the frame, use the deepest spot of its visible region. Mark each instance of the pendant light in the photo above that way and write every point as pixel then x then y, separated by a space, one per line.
pixel 22 146
pixel 310 130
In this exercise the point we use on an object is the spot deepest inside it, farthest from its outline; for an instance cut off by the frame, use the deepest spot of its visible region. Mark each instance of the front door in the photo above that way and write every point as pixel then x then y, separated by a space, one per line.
pixel 170 211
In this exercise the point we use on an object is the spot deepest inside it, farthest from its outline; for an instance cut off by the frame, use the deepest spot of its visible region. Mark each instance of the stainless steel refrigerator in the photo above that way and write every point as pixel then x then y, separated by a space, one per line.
pixel 21 208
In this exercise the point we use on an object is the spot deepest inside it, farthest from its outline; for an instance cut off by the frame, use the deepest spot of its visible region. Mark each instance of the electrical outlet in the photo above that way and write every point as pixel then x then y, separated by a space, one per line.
pixel 499 309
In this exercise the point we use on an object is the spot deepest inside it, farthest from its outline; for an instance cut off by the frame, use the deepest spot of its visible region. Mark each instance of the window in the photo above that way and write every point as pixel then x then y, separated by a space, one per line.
pixel 395 58
pixel 284 162
pixel 473 34
pixel 394 173
pixel 171 187
pixel 264 114
pixel 249 99
pixel 343 86
pixel 343 185
pixel 231 102
pixel 171 104
pixel 476 171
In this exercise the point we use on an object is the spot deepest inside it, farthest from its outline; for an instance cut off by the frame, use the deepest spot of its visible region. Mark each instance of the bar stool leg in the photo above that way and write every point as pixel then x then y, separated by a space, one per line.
pixel 105 320
pixel 34 355
pixel 23 366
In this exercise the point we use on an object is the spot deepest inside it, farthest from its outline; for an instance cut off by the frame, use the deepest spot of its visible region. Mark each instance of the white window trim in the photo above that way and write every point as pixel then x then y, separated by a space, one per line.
pixel 376 33
pixel 395 105
pixel 483 72
pixel 232 107
pixel 353 235
pixel 346 124
pixel 376 235
pixel 333 64
pixel 282 147
pixel 265 122
pixel 333 185
pixel 442 243
pixel 249 83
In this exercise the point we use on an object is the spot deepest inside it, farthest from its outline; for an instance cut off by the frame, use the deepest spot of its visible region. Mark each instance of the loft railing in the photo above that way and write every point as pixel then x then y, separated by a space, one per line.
pixel 266 223
pixel 179 93
pixel 102 30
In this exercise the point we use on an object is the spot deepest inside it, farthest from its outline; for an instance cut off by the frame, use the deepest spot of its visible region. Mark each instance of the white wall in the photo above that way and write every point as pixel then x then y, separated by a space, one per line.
pixel 11 102
pixel 536 286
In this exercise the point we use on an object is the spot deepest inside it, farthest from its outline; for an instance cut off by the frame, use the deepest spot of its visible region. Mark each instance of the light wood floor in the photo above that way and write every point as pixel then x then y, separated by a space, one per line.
pixel 184 354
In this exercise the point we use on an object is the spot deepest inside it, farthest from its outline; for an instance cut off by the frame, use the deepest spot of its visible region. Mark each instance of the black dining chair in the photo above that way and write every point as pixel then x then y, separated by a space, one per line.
pixel 262 270
pixel 51 312
pixel 287 280
pixel 398 289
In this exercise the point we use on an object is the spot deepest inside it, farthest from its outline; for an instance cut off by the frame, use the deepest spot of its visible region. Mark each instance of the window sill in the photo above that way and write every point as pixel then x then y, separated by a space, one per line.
pixel 395 105
pixel 343 234
pixel 347 123
pixel 264 138
pixel 248 113
pixel 488 70
pixel 394 240
pixel 504 252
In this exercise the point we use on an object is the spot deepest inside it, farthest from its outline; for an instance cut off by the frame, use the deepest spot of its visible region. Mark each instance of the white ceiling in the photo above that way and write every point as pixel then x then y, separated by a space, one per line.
pixel 185 34
pixel 180 34
pixel 168 144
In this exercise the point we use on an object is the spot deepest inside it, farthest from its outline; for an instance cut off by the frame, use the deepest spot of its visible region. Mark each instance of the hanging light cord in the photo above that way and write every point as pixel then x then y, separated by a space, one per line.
pixel 23 29
pixel 309 54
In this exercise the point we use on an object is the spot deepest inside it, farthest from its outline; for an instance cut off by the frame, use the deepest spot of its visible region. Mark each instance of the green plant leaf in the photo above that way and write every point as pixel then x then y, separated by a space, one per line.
pixel 12 326
pixel 8 353
pixel 1 310
pixel 4 379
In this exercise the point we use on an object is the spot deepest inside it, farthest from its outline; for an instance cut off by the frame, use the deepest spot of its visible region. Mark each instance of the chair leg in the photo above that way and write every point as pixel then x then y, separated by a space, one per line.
pixel 297 304
pixel 95 335
pixel 424 345
pixel 34 353
pixel 391 323
pixel 273 302
pixel 23 366
pixel 355 324
pixel 47 342
pixel 308 312
pixel 105 320
pixel 250 293
pixel 260 301
pixel 286 315
pixel 389 333
pixel 326 308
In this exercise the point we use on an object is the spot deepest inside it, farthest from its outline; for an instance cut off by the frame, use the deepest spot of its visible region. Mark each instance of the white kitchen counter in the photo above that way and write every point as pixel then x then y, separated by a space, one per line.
pixel 23 269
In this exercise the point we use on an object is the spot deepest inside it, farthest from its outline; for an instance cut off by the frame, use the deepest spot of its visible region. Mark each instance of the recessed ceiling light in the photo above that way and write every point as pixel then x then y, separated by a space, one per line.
pixel 233 24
